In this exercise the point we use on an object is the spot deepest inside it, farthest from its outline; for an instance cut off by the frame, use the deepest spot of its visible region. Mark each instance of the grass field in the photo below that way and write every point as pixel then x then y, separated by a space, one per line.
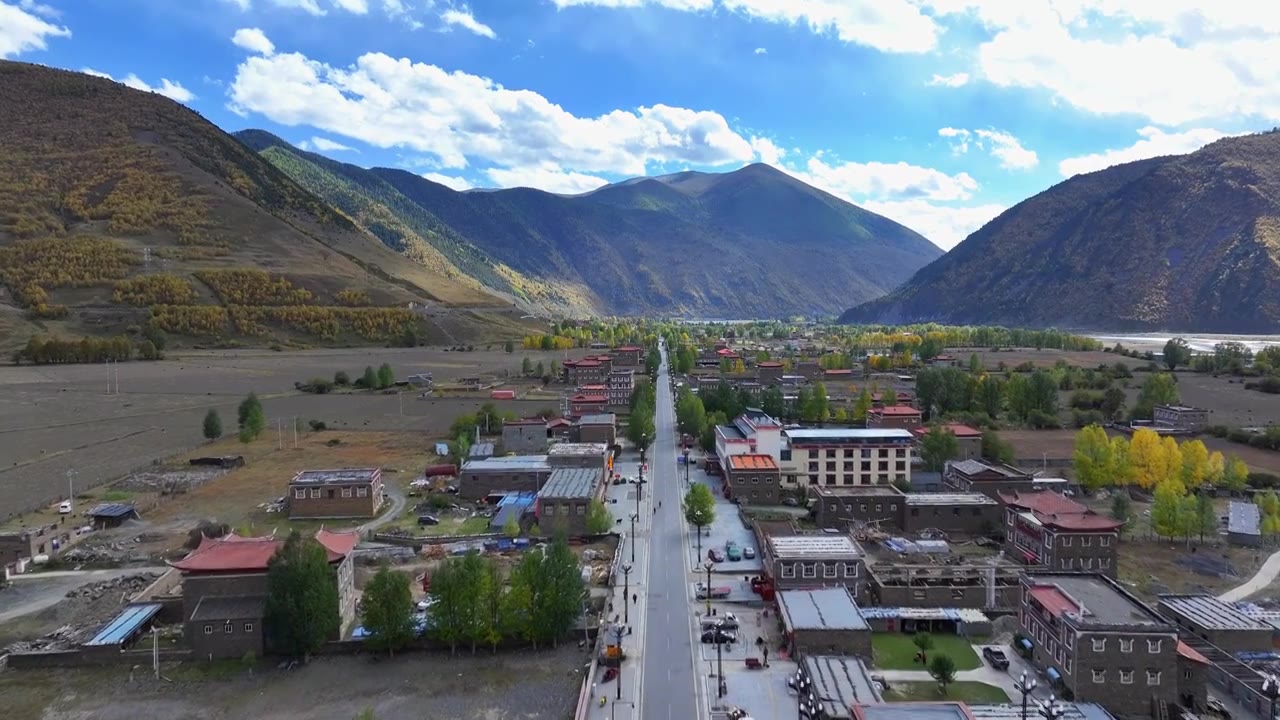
pixel 895 651
pixel 962 691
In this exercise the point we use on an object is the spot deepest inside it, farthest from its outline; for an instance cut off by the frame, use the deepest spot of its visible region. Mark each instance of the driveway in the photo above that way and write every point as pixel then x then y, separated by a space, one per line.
pixel 396 495
pixel 32 592
pixel 1268 572
pixel 727 527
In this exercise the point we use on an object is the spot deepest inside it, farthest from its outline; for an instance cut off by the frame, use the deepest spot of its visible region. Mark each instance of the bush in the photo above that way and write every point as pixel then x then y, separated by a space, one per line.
pixel 319 386
pixel 341 378
pixel 1219 431
pixel 1269 385
pixel 318 425
pixel 1263 481
pixel 1085 418
pixel 440 502
pixel 1040 420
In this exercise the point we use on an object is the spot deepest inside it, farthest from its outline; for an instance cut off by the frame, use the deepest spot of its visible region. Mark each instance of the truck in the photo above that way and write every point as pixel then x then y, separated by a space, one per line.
pixel 715 593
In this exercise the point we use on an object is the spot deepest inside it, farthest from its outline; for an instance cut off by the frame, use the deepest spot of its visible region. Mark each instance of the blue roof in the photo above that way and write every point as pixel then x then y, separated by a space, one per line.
pixel 125 624
pixel 112 510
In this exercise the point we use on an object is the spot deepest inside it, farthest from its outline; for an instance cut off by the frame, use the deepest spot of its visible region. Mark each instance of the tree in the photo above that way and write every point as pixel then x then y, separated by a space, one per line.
pixel 991 396
pixel 937 447
pixel 341 378
pixel 526 366
pixel 975 364
pixel 923 642
pixel 772 402
pixel 476 577
pixel 386 376
pixel 547 589
pixel 1195 463
pixel 387 610
pixel 369 379
pixel 250 418
pixel 1158 389
pixel 994 448
pixel 539 370
pixel 1206 516
pixel 862 406
pixel 599 519
pixel 1147 456
pixel 1236 475
pixel 1092 457
pixel 640 426
pixel 699 509
pixel 1112 403
pixel 821 405
pixel 511 528
pixel 1215 468
pixel 943 669
pixel 1122 508
pixel 691 415
pixel 302 598
pixel 212 425
pixel 1121 466
pixel 1166 517
pixel 451 603
pixel 1176 352
pixel 509 347
pixel 802 407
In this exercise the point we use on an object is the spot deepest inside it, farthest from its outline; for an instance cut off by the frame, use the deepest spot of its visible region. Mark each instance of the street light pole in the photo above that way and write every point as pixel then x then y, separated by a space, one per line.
pixel 634 517
pixel 722 689
pixel 708 565
pixel 617 632
pixel 626 592
pixel 1271 690
pixel 1051 709
pixel 1024 685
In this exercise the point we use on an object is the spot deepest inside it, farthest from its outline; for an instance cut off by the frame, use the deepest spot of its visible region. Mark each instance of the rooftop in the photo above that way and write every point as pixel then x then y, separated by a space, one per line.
pixel 960 431
pixel 598 419
pixel 823 609
pixel 949 499
pixel 585 398
pixel 803 434
pixel 1211 613
pixel 895 410
pixel 525 421
pixel 1090 600
pixel 481 450
pixel 571 483
pixel 973 467
pixel 845 679
pixel 628 348
pixel 1181 408
pixel 1054 510
pixel 856 490
pixel 342 476
pixel 112 510
pixel 962 711
pixel 814 546
pixel 577 450
pixel 769 364
pixel 1243 518
pixel 232 607
pixel 730 432
pixel 241 554
pixel 124 625
pixel 752 462
pixel 507 463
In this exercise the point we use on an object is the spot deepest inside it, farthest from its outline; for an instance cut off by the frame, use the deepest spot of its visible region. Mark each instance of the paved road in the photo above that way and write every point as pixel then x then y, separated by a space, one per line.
pixel 667 690
pixel 397 498
pixel 1259 582
pixel 32 592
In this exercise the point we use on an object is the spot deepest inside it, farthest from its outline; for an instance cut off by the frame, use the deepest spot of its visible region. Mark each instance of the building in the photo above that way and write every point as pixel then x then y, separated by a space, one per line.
pixel 583 372
pixel 769 372
pixel 992 587
pixel 111 515
pixel 985 476
pixel 588 403
pixel 563 502
pixel 628 356
pixel 478 479
pixel 592 456
pixel 1048 529
pixel 940 361
pixel 1181 417
pixel 28 543
pixel 480 451
pixel 810 370
pixel 964 711
pixel 968 440
pixel 344 493
pixel 753 479
pixel 1244 524
pixel 513 506
pixel 889 509
pixel 831 376
pixel 618 388
pixel 527 436
pixel 1103 645
pixel 825 621
pixel 600 429
pixel 813 561
pixel 224 590
pixel 847 456
pixel 1220 623
pixel 894 416
pixel 842 681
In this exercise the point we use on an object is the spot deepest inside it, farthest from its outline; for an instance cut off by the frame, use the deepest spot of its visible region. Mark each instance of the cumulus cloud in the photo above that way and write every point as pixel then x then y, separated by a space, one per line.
pixel 999 144
pixel 327 145
pixel 766 150
pixel 168 88
pixel 462 17
pixel 956 80
pixel 762 51
pixel 1154 143
pixel 944 225
pixel 22 29
pixel 546 176
pixel 253 40
pixel 450 181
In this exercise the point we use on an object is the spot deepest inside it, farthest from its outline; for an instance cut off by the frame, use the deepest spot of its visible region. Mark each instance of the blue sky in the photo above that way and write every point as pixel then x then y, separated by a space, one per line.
pixel 937 113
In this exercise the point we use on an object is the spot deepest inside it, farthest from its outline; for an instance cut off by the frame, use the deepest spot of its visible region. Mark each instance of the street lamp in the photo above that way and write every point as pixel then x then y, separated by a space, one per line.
pixel 708 565
pixel 686 467
pixel 1025 685
pixel 1051 709
pixel 626 592
pixel 1271 690
pixel 617 631
pixel 722 688
pixel 634 518
pixel 804 690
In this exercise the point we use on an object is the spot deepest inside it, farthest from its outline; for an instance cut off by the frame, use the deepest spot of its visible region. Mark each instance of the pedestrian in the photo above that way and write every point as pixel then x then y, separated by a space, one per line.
pixel 635 598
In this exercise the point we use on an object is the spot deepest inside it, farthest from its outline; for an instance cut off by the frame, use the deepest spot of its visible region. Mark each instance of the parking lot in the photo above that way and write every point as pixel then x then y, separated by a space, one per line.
pixel 727 527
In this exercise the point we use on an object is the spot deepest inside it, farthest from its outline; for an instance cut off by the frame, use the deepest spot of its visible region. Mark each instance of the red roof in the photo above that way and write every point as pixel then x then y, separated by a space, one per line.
pixel 960 431
pixel 587 399
pixel 769 364
pixel 628 348
pixel 1052 599
pixel 837 371
pixel 1191 653
pixel 1058 511
pixel 236 553
pixel 896 410
pixel 583 363
pixel 752 462
pixel 558 422
pixel 338 543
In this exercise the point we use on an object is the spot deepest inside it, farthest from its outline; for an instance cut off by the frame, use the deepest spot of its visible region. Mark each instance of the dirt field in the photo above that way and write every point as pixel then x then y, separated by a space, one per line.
pixel 526 685
pixel 58 424
pixel 1042 358
pixel 1035 445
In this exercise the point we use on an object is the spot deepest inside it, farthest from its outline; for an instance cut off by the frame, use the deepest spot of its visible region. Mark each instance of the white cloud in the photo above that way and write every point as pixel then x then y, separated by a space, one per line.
pixel 359 7
pixel 892 181
pixel 39 8
pixel 767 150
pixel 1154 142
pixel 253 40
pixel 21 30
pixel 887 25
pixel 310 7
pixel 762 51
pixel 953 81
pixel 168 88
pixel 546 177
pixel 449 181
pixel 959 139
pixel 242 4
pixel 1001 145
pixel 462 17
pixel 944 225
pixel 327 145
pixel 455 116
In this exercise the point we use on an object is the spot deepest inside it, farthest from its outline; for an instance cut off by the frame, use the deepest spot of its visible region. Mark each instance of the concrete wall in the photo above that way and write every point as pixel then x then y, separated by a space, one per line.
pixel 833 642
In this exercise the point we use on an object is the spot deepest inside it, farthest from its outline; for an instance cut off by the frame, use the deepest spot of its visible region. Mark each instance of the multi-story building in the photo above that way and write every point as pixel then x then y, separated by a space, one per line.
pixel 1217 621
pixel 1045 528
pixel 590 455
pixel 527 436
pixel 601 429
pixel 345 493
pixel 811 370
pixel 1181 417
pixel 890 510
pixel 618 388
pixel 753 479
pixel 968 440
pixel 846 456
pixel 825 621
pixel 1100 643
pixel 813 561
pixel 751 433
pixel 564 500
pixel 628 356
pixel 769 372
pixel 585 403
pixel 985 476
pixel 894 416
pixel 584 372
pixel 990 587
pixel 478 479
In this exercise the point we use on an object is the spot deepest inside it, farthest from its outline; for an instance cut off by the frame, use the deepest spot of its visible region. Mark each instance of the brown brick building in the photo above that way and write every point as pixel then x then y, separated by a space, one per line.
pixel 565 499
pixel 510 473
pixel 753 479
pixel 891 510
pixel 344 493
pixel 993 588
pixel 618 388
pixel 894 416
pixel 824 621
pixel 985 476
pixel 814 561
pixel 525 436
pixel 584 403
pixel 1219 622
pixel 769 372
pixel 628 356
pixel 1045 528
pixel 584 372
pixel 601 429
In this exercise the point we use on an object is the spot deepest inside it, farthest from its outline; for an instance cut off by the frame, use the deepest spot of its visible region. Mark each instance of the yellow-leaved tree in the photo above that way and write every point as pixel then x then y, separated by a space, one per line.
pixel 1195 463
pixel 1172 457
pixel 1147 457
pixel 1215 468
pixel 1121 466
pixel 1092 457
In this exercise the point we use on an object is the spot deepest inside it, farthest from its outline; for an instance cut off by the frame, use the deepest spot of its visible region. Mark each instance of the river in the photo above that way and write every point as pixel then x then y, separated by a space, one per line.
pixel 1199 342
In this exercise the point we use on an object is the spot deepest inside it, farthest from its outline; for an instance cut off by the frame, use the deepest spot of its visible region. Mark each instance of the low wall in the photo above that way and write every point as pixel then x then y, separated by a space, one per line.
pixel 163 585
pixel 89 657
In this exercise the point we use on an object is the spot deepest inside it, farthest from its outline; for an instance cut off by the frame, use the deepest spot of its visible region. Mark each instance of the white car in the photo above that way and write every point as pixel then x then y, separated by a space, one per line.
pixel 64 507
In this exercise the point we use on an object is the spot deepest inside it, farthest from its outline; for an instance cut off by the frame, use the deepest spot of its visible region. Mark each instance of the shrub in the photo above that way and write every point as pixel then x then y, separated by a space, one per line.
pixel 154 290
pixel 318 425
pixel 341 378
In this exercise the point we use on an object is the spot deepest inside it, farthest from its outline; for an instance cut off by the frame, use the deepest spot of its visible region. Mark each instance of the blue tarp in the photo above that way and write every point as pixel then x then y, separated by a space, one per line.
pixel 1025 643
pixel 125 624
pixel 419 622
pixel 1053 674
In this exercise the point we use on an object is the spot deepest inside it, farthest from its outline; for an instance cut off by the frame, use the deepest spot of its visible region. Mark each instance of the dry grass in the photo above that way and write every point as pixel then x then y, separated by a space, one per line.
pixel 1045 358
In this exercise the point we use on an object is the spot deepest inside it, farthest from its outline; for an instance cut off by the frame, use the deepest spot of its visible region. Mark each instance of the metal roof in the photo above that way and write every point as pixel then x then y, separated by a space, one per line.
pixel 112 510
pixel 1102 601
pixel 814 546
pixel 973 467
pixel 848 434
pixel 948 499
pixel 341 475
pixel 844 678
pixel 1211 613
pixel 571 483
pixel 598 419
pixel 822 609
pixel 128 622
pixel 968 615
pixel 481 450
pixel 1243 518
pixel 231 607
pixel 508 463
pixel 577 449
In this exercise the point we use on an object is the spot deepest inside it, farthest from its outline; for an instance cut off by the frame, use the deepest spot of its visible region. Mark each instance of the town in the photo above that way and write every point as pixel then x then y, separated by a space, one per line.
pixel 702 521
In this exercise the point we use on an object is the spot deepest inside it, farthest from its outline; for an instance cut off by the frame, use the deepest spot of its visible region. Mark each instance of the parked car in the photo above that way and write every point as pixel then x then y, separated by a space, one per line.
pixel 64 507
pixel 790 501
pixel 726 621
pixel 719 636
pixel 424 520
pixel 715 555
pixel 715 593
pixel 749 553
pixel 732 551
pixel 996 657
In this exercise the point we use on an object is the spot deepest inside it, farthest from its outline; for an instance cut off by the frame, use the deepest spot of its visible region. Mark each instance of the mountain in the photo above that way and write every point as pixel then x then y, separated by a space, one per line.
pixel 750 243
pixel 121 209
pixel 1180 243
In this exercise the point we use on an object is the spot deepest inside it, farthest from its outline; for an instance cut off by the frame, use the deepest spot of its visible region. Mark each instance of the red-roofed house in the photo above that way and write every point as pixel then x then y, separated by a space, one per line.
pixel 587 404
pixel 769 372
pixel 968 440
pixel 753 479
pixel 1045 528
pixel 224 590
pixel 628 356
pixel 903 417
pixel 584 372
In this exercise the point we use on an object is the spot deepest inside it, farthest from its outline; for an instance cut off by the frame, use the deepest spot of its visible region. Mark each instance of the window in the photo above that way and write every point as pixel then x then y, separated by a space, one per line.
pixel 300 493
pixel 1153 677
pixel 809 570
pixel 1088 563
pixel 1126 645
pixel 1126 677
pixel 893 507
pixel 1186 674
pixel 863 507
pixel 831 453
pixel 915 512
pixel 788 571
pixel 1104 563
pixel 1104 541
pixel 832 507
pixel 1153 646
pixel 957 593
pixel 582 509
pixel 228 628
pixel 346 492
pixel 208 629
pixel 1066 541
pixel 315 493
pixel 248 627
pixel 829 570
pixel 1099 676
pixel 917 594
pixel 1086 541
pixel 850 570
pixel 1099 644
pixel 1067 664
pixel 879 507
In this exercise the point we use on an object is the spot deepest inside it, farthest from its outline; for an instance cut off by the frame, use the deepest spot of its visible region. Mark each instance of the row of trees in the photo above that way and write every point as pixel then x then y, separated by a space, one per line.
pixel 640 423
pixel 1147 461
pixel 254 287
pixel 54 351
pixel 549 342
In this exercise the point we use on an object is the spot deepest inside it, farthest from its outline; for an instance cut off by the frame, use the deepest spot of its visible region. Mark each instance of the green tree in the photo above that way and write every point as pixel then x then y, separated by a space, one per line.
pixel 772 402
pixel 212 425
pixel 1122 508
pixel 821 404
pixel 995 448
pixel 1092 458
pixel 511 528
pixel 699 509
pixel 1113 403
pixel 942 669
pixel 509 347
pixel 250 418
pixel 975 364
pixel 862 406
pixel 640 425
pixel 387 610
pixel 923 642
pixel 1236 475
pixel 559 603
pixel 302 598
pixel 1176 352
pixel 386 376
pixel 691 415
pixel 599 519
pixel 476 577
pixel 452 602
pixel 555 370
pixel 539 370
pixel 991 396
pixel 369 379
pixel 1166 518
pixel 526 366
pixel 1157 389
pixel 928 349
pixel 1206 516
pixel 341 378
pixel 937 447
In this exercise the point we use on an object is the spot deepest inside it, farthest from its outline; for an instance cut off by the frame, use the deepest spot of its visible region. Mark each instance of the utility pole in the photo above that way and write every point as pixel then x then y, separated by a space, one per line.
pixel 295 432
pixel 155 651
pixel 279 434
pixel 115 365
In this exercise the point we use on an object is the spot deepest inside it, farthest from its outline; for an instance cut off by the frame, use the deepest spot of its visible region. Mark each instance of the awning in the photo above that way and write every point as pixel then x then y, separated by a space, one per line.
pixel 1054 675
pixel 1025 643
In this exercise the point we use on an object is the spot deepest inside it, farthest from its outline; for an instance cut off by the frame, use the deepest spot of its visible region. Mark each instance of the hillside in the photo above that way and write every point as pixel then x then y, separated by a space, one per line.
pixel 1181 243
pixel 121 210
pixel 750 243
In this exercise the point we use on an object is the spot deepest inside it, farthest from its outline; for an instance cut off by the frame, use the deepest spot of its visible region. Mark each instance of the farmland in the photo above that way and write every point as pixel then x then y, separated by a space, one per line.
pixel 59 425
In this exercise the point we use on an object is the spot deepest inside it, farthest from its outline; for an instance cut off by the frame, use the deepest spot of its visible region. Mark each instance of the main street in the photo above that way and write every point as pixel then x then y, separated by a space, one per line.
pixel 667 675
